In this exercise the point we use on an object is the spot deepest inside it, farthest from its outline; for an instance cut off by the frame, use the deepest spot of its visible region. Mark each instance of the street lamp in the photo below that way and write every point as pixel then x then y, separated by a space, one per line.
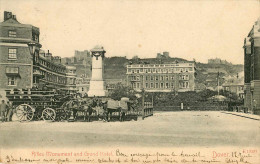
pixel 33 46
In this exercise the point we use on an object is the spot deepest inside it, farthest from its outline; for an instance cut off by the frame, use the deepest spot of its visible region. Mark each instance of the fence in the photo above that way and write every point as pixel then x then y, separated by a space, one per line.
pixel 198 108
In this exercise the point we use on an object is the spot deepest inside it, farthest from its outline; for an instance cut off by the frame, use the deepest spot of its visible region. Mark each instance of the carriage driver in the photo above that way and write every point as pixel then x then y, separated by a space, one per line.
pixel 9 111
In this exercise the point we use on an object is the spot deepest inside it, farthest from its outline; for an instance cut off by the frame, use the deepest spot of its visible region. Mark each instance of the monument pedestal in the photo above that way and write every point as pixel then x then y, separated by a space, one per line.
pixel 97 89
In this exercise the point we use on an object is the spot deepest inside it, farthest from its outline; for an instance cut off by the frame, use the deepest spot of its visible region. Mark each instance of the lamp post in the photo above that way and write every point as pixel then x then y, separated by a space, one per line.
pixel 142 103
pixel 33 46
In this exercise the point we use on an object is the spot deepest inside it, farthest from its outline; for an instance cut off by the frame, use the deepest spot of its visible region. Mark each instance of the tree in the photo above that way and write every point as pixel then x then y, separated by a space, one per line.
pixel 122 91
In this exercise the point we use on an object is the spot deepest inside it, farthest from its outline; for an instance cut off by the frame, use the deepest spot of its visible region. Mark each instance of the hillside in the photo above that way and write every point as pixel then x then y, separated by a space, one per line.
pixel 206 74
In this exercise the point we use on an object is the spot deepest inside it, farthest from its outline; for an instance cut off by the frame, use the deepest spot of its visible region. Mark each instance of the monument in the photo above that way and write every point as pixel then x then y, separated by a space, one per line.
pixel 97 85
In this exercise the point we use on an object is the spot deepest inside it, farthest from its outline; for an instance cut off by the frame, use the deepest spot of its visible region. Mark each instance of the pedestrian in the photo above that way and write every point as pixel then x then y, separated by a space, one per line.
pixel 10 111
pixel 3 110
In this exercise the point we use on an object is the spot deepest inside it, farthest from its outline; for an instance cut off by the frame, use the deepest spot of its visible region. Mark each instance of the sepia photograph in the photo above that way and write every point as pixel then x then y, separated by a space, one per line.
pixel 130 81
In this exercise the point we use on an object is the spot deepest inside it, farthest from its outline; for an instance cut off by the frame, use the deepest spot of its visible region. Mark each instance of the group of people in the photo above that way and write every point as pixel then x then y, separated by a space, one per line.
pixel 6 111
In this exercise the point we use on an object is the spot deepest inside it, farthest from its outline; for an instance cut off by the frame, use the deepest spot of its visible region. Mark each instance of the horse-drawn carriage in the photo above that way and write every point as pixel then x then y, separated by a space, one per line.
pixel 37 104
pixel 52 106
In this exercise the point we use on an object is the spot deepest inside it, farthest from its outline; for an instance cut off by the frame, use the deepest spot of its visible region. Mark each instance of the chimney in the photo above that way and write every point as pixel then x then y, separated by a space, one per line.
pixel 7 15
pixel 48 56
pixel 14 17
pixel 57 59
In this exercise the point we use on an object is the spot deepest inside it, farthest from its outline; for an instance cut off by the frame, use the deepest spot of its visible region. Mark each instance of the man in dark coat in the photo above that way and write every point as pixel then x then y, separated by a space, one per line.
pixel 3 109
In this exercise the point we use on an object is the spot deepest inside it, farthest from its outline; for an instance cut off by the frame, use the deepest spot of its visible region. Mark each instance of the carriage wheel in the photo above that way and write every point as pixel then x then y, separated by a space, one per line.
pixel 25 112
pixel 48 114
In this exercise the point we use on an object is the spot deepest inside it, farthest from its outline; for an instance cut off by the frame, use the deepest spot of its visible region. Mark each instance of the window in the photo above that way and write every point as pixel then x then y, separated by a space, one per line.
pixel 162 85
pixel 138 85
pixel 156 78
pixel 12 33
pixel 137 71
pixel 146 85
pixel 151 77
pixel 166 78
pixel 12 53
pixel 172 85
pixel 161 77
pixel 12 81
pixel 184 84
pixel 156 85
pixel 166 85
pixel 146 77
pixel 151 85
pixel 184 77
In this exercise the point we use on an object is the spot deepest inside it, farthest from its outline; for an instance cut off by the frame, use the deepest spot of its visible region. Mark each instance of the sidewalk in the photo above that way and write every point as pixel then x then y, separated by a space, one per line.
pixel 245 115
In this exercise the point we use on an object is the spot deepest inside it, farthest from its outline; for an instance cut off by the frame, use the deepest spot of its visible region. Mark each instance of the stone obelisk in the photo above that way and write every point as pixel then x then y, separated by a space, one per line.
pixel 97 84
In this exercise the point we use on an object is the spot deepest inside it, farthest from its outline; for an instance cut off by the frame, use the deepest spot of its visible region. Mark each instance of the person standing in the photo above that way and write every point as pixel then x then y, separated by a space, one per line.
pixel 3 110
pixel 10 111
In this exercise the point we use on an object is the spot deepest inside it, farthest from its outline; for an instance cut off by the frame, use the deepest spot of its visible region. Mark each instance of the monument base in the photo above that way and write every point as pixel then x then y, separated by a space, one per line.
pixel 97 89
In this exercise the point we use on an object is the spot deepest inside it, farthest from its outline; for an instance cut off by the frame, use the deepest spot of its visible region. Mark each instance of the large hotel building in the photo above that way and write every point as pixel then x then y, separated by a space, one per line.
pixel 252 69
pixel 173 77
pixel 20 69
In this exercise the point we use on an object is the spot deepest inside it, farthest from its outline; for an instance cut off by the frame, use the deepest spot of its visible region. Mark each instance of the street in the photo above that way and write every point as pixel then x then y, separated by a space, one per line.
pixel 164 129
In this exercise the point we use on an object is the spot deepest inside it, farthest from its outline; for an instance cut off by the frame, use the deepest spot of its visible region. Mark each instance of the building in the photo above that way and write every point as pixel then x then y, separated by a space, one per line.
pixel 218 61
pixel 82 84
pixel 234 85
pixel 81 55
pixel 165 54
pixel 177 77
pixel 23 69
pixel 252 69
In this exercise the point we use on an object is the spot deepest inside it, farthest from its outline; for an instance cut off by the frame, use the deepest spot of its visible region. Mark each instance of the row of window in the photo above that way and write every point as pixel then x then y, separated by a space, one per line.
pixel 137 78
pixel 51 66
pixel 160 85
pixel 158 65
pixel 53 78
pixel 239 88
pixel 13 34
pixel 159 70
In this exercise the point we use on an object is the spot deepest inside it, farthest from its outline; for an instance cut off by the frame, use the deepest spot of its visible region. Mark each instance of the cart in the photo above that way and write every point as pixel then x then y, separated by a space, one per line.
pixel 37 104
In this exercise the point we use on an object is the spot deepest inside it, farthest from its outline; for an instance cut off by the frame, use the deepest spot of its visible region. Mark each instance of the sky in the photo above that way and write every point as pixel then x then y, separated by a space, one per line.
pixel 199 30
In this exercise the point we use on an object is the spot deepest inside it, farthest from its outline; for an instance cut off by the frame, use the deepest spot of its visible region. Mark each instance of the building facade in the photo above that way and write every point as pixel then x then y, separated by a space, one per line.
pixel 82 84
pixel 174 77
pixel 21 69
pixel 252 69
pixel 234 85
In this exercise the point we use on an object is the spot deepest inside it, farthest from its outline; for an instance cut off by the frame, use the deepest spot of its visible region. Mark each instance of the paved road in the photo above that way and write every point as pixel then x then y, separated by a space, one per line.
pixel 167 129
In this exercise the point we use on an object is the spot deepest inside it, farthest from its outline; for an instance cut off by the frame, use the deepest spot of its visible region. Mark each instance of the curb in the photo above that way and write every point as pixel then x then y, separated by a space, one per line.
pixel 241 116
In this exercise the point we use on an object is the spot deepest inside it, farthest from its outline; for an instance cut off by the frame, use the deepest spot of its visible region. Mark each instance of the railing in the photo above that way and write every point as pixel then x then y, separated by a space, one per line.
pixel 148 109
